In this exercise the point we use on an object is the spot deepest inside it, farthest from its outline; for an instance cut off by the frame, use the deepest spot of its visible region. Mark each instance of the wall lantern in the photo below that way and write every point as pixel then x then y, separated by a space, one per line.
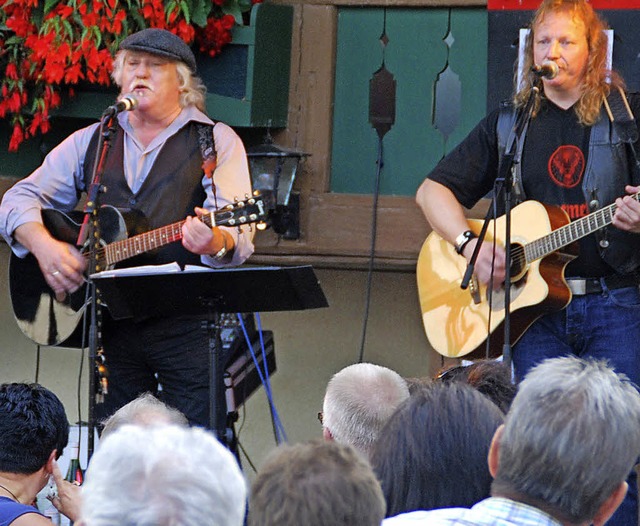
pixel 273 171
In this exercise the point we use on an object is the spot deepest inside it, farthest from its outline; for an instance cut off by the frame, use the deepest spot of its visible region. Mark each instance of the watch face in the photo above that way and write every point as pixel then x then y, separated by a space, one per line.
pixel 462 240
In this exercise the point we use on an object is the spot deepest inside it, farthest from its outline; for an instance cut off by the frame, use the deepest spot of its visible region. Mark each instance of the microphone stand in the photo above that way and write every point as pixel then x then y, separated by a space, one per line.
pixel 89 235
pixel 511 158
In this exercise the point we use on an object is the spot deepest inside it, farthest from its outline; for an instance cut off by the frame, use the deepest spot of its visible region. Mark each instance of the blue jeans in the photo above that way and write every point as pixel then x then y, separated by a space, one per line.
pixel 603 326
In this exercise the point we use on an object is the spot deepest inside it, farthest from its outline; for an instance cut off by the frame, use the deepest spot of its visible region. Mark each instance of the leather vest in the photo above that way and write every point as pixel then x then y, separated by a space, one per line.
pixel 169 194
pixel 609 168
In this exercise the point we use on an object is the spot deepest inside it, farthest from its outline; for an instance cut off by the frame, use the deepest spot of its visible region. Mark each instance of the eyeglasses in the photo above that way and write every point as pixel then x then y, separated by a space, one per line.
pixel 452 373
pixel 320 417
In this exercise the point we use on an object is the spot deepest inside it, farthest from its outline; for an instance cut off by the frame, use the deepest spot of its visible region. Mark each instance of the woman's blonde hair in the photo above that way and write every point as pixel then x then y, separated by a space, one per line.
pixel 598 80
pixel 192 89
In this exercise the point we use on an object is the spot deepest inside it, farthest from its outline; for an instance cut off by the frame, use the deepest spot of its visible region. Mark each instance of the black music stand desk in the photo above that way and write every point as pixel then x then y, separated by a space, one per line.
pixel 142 292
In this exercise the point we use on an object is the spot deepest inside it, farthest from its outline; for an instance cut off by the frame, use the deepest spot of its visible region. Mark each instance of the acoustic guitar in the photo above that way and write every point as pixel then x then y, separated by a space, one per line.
pixel 470 322
pixel 47 321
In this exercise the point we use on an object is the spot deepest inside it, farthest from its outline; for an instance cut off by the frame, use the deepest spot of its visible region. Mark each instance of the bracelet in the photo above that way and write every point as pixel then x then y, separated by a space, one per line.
pixel 223 251
pixel 462 240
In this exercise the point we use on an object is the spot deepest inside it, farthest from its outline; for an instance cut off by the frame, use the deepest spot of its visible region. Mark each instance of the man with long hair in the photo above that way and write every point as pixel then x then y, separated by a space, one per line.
pixel 574 154
pixel 158 165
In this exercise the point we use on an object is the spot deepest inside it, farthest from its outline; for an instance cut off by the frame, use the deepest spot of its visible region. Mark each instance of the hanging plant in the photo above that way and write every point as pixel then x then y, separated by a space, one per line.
pixel 50 47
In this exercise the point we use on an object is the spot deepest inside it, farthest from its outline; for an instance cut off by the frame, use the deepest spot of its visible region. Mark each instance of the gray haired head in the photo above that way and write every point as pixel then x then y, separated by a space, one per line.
pixel 162 476
pixel 358 402
pixel 571 437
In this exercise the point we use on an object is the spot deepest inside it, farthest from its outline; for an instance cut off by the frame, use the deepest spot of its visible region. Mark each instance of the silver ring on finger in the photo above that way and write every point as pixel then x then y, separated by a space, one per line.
pixel 55 273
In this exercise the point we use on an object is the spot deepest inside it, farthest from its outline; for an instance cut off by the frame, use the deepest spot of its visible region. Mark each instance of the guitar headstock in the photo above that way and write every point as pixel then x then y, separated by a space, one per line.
pixel 248 211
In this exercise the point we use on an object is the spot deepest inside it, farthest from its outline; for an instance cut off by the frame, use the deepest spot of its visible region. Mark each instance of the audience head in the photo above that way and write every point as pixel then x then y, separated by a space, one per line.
pixel 433 452
pixel 33 425
pixel 316 484
pixel 162 476
pixel 417 384
pixel 146 410
pixel 359 400
pixel 492 378
pixel 569 441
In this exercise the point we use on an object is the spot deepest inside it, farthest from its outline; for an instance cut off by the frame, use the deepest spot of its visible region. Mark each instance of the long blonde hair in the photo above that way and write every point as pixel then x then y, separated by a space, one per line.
pixel 598 79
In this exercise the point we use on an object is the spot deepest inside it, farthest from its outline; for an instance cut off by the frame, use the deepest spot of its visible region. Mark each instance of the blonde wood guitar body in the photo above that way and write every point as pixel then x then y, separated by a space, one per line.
pixel 470 322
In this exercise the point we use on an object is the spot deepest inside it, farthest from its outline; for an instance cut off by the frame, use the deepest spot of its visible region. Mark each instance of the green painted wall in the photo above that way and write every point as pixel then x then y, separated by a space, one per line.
pixel 416 53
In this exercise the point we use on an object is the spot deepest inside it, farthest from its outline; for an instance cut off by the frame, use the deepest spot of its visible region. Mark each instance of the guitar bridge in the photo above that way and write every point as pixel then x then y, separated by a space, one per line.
pixel 474 289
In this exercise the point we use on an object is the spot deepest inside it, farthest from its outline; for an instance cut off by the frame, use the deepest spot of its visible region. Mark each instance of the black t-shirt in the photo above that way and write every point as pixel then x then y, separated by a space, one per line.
pixel 554 160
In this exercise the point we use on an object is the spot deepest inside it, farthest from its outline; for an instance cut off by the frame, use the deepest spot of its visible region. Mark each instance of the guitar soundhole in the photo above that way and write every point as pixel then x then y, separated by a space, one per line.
pixel 496 298
pixel 518 262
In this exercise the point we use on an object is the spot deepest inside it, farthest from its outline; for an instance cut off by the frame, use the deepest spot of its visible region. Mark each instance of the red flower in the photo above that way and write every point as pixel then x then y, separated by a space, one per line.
pixel 118 19
pixel 14 102
pixel 216 34
pixel 53 69
pixel 16 137
pixel 11 72
pixel 40 45
pixel 185 31
pixel 73 74
pixel 49 53
pixel 21 26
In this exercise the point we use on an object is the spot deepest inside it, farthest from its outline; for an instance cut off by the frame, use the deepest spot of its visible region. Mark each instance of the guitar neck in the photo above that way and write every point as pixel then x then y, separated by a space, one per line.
pixel 147 241
pixel 571 232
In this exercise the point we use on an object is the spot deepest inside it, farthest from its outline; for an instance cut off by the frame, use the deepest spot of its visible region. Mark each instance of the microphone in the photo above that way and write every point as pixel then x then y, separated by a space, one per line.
pixel 547 70
pixel 127 103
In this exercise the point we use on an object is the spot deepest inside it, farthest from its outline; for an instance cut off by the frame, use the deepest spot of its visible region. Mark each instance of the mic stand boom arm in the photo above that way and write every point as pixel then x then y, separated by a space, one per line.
pixel 90 235
pixel 511 158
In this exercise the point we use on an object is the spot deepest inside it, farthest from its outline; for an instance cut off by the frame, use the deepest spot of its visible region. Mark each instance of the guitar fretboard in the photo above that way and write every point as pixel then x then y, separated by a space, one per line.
pixel 571 232
pixel 242 213
pixel 136 245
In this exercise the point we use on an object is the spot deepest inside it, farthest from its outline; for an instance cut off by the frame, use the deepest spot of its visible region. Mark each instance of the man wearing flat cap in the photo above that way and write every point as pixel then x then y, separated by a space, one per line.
pixel 154 165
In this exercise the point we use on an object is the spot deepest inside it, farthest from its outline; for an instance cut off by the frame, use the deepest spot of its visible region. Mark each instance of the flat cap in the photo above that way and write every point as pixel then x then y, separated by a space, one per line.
pixel 160 42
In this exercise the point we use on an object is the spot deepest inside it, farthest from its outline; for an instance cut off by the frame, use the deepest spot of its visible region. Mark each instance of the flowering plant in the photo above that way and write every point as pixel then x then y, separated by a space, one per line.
pixel 48 47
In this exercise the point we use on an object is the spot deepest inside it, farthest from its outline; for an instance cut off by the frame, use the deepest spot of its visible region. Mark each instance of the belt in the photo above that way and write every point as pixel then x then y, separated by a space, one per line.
pixel 582 286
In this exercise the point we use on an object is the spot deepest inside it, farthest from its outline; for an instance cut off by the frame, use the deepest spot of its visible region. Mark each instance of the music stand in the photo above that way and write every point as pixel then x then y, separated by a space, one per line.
pixel 210 292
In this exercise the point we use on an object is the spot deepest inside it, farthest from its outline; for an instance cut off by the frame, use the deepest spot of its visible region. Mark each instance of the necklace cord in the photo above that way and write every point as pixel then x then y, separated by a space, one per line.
pixel 9 492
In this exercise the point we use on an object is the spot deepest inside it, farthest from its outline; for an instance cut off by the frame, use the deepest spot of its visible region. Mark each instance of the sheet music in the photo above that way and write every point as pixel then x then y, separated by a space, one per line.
pixel 143 270
pixel 168 268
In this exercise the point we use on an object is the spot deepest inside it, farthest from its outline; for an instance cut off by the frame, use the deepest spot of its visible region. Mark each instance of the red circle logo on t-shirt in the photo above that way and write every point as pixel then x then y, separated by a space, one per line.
pixel 566 166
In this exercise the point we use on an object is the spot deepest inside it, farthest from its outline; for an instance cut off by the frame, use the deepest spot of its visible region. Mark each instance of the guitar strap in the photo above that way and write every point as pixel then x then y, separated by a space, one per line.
pixel 209 154
pixel 207 149
pixel 624 123
pixel 620 115
pixel 506 129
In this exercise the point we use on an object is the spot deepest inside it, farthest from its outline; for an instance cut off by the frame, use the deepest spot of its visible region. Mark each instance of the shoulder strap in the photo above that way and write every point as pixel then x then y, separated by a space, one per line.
pixel 207 148
pixel 505 130
pixel 621 116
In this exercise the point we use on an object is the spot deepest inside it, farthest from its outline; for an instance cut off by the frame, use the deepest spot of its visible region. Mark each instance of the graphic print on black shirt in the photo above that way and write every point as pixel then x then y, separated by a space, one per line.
pixel 566 166
pixel 554 163
pixel 554 159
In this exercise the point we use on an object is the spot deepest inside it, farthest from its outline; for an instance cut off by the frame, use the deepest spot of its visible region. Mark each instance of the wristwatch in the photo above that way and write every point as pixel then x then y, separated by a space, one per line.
pixel 462 240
